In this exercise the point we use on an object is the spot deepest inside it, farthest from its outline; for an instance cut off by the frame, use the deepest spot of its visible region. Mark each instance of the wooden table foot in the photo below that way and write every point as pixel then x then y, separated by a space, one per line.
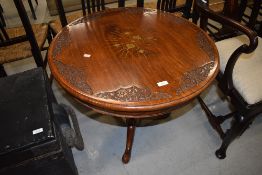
pixel 131 127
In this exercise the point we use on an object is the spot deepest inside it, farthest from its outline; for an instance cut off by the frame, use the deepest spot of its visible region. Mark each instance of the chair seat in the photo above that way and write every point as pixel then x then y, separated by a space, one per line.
pixel 248 69
pixel 22 50
pixel 56 26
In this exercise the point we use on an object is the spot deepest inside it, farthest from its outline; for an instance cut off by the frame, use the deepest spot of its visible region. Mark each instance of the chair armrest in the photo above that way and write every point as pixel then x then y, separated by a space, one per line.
pixel 205 12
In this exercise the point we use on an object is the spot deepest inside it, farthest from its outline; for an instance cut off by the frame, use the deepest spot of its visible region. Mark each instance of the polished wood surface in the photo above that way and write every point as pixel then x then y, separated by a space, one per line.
pixel 133 63
pixel 115 61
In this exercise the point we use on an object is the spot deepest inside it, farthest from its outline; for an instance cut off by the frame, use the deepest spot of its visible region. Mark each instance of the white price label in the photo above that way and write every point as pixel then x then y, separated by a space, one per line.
pixel 37 131
pixel 162 83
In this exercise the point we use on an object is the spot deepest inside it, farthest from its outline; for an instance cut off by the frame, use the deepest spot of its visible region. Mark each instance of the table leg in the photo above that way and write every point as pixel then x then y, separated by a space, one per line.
pixel 131 127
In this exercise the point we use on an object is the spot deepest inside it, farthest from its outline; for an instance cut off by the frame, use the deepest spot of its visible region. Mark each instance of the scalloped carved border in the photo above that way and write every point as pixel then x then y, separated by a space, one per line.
pixel 73 76
pixel 205 45
pixel 194 77
pixel 63 40
pixel 133 94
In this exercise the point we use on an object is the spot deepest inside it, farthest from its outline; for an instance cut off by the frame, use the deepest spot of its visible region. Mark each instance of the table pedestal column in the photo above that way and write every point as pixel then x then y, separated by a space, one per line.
pixel 131 127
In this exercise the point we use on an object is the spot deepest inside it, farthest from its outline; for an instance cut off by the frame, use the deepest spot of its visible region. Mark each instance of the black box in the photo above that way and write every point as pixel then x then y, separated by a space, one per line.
pixel 29 140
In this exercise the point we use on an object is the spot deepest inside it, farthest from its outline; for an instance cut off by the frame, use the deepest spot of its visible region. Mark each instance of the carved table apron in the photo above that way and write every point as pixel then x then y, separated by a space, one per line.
pixel 133 63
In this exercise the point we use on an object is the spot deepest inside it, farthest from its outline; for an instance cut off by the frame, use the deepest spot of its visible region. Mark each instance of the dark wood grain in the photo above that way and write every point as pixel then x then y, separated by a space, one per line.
pixel 113 60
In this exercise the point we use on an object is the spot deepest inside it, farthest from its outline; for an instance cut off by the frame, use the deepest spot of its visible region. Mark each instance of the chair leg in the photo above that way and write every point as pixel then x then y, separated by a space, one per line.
pixel 49 36
pixel 195 14
pixel 1 9
pixel 187 9
pixel 49 40
pixel 2 19
pixel 213 120
pixel 2 71
pixel 260 29
pixel 32 9
pixel 51 78
pixel 238 127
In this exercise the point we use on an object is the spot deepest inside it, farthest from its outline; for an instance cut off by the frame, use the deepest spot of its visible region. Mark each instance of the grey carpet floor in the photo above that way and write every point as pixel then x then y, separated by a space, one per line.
pixel 183 144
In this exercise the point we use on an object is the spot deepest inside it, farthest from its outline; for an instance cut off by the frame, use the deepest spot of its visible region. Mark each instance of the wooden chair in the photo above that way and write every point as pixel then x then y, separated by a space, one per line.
pixel 22 42
pixel 239 78
pixel 32 7
pixel 251 20
pixel 88 7
pixel 2 19
pixel 183 6
pixel 236 10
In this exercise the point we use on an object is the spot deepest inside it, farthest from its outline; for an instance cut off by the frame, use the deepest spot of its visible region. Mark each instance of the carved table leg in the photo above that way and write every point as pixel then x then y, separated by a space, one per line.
pixel 131 127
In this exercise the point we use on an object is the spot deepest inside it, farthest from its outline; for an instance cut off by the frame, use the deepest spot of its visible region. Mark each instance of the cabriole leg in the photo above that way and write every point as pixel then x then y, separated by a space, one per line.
pixel 131 127
pixel 238 127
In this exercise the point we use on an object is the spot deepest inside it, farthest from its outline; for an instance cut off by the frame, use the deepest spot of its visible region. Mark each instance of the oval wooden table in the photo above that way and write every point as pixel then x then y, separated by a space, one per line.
pixel 133 63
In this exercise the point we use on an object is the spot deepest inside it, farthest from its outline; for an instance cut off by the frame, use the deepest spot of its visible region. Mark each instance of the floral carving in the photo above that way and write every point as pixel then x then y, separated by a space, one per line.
pixel 205 45
pixel 73 76
pixel 194 77
pixel 133 94
pixel 63 40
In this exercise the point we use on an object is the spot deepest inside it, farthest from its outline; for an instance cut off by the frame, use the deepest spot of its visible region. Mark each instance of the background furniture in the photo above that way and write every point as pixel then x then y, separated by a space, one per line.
pixel 32 137
pixel 87 7
pixel 22 42
pixel 252 19
pixel 32 7
pixel 2 19
pixel 133 63
pixel 69 5
pixel 237 10
pixel 239 78
pixel 176 6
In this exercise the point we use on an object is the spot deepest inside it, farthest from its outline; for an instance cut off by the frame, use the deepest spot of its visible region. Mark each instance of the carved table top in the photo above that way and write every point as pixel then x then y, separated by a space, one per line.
pixel 133 62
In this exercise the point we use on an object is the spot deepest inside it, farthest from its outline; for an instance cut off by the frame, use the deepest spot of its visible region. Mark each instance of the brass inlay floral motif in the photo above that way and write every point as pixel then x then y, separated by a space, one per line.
pixel 194 77
pixel 133 94
pixel 74 76
pixel 63 40
pixel 127 43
